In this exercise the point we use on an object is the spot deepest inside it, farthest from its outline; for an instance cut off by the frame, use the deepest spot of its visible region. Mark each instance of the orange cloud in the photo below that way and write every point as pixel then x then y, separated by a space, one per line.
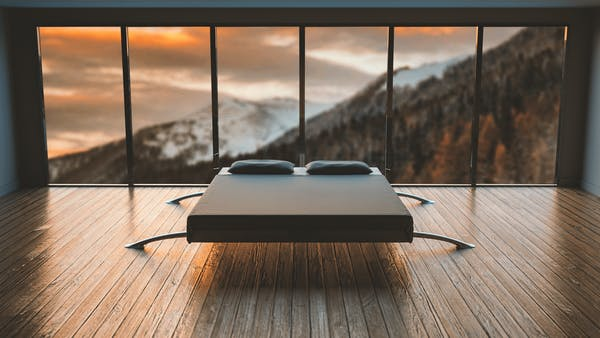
pixel 432 31
pixel 161 36
pixel 99 34
pixel 169 36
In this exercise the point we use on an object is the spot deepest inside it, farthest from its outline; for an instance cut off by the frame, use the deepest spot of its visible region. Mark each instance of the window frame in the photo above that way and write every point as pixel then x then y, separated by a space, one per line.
pixel 301 141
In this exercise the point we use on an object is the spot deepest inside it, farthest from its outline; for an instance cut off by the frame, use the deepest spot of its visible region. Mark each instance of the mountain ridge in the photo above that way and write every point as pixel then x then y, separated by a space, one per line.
pixel 431 127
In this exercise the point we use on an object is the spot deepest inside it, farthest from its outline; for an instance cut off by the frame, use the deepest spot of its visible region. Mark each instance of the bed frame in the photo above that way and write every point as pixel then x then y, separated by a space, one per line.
pixel 300 208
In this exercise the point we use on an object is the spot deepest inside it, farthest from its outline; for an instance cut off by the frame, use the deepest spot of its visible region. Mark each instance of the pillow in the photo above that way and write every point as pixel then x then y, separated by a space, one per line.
pixel 262 167
pixel 337 168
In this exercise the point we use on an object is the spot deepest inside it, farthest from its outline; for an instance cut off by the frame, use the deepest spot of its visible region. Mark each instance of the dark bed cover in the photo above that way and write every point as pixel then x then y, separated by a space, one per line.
pixel 299 208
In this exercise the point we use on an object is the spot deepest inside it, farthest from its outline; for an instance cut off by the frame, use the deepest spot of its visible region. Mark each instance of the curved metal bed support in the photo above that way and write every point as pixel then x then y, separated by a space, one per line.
pixel 140 244
pixel 459 244
pixel 176 200
pixel 423 200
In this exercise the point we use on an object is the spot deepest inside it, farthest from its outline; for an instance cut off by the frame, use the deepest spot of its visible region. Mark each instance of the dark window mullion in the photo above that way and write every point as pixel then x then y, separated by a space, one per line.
pixel 127 104
pixel 302 96
pixel 561 107
pixel 214 98
pixel 476 107
pixel 40 79
pixel 389 106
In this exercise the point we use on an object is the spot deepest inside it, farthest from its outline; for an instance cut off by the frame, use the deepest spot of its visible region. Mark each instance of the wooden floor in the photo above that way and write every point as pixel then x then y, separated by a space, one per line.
pixel 535 270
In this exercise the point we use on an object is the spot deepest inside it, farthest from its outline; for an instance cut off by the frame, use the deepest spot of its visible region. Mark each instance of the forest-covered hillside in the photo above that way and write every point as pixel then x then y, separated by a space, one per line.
pixel 431 129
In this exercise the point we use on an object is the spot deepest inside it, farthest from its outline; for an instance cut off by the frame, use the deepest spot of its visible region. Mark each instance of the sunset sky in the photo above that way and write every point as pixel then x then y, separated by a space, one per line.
pixel 170 70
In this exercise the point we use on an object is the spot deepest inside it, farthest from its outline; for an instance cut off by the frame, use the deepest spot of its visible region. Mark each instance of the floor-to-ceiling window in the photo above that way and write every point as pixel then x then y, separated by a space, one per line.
pixel 258 92
pixel 83 97
pixel 186 126
pixel 171 104
pixel 433 76
pixel 521 85
pixel 346 93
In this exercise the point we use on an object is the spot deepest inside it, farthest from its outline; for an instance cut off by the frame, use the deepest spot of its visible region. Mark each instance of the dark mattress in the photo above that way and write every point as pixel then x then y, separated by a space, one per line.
pixel 299 208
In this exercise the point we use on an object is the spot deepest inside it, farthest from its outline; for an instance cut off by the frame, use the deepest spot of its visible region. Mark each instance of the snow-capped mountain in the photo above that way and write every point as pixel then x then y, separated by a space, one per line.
pixel 244 127
pixel 431 123
pixel 412 76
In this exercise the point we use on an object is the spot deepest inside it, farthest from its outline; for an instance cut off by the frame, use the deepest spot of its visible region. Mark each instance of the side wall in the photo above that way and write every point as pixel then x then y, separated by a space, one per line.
pixel 8 161
pixel 591 167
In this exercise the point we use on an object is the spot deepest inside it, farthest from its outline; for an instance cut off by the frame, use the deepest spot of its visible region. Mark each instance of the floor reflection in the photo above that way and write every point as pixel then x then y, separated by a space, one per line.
pixel 24 230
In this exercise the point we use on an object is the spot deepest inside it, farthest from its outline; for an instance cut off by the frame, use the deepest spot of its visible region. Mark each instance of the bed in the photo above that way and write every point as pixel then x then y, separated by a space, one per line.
pixel 299 208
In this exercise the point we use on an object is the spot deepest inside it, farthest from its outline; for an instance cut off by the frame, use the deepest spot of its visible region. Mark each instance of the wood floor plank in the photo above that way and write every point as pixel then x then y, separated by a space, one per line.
pixel 54 223
pixel 357 324
pixel 409 297
pixel 513 264
pixel 319 326
pixel 426 309
pixel 169 300
pixel 242 324
pixel 578 202
pixel 462 223
pixel 534 271
pixel 375 321
pixel 264 315
pixel 29 207
pixel 10 200
pixel 57 300
pixel 243 275
pixel 336 312
pixel 30 203
pixel 542 232
pixel 123 264
pixel 164 279
pixel 115 305
pixel 541 269
pixel 487 310
pixel 201 311
pixel 281 322
pixel 568 223
pixel 395 323
pixel 394 296
pixel 569 226
pixel 455 315
pixel 222 293
pixel 300 296
pixel 488 288
pixel 62 248
pixel 33 236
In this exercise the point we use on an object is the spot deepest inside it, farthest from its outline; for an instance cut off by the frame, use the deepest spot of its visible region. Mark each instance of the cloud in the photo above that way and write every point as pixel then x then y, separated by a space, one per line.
pixel 354 39
pixel 170 69
pixel 415 46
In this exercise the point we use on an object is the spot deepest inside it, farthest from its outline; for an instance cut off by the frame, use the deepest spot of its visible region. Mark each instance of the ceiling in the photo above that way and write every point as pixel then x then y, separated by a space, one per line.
pixel 300 3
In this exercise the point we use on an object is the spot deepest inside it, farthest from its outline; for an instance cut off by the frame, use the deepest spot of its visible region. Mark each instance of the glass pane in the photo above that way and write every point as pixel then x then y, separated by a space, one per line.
pixel 83 96
pixel 521 80
pixel 258 92
pixel 345 93
pixel 171 103
pixel 434 74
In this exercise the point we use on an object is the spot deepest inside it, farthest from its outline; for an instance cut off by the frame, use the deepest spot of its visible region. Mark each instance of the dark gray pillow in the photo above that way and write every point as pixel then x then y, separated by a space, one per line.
pixel 337 168
pixel 262 167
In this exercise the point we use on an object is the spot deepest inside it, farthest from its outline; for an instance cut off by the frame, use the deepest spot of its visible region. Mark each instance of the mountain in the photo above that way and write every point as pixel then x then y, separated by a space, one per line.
pixel 186 142
pixel 431 126
pixel 406 76
pixel 431 121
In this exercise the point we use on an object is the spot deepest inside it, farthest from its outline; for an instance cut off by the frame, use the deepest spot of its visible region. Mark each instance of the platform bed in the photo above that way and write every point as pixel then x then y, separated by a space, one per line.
pixel 299 208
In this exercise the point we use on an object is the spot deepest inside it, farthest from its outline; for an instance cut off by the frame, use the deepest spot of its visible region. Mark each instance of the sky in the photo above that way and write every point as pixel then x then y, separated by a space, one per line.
pixel 170 70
